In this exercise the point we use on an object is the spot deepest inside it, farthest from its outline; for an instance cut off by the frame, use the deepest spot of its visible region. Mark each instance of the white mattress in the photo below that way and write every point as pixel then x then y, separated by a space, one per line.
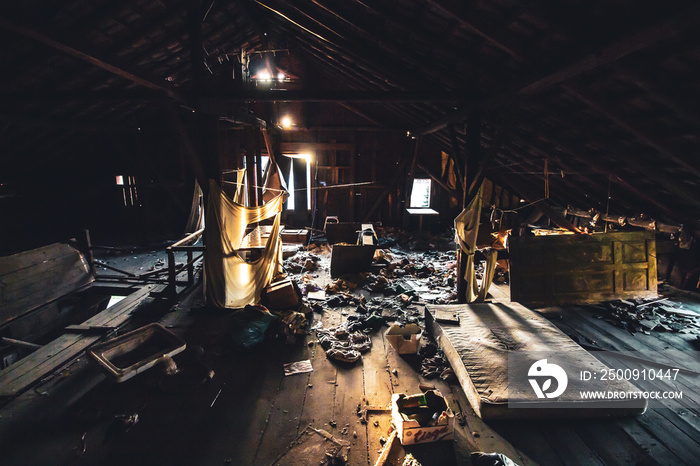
pixel 488 336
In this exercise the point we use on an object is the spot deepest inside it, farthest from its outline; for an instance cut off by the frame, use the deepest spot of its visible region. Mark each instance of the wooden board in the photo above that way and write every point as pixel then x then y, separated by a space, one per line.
pixel 26 371
pixel 33 278
pixel 553 270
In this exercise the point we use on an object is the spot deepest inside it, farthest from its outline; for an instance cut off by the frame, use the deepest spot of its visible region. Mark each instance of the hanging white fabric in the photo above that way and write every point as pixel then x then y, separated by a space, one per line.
pixel 466 231
pixel 230 281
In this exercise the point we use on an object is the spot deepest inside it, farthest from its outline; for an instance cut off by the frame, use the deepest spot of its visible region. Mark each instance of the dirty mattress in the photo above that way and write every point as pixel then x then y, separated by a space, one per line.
pixel 489 335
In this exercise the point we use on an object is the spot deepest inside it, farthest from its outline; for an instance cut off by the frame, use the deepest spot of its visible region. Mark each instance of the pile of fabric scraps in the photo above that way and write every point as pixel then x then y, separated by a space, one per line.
pixel 434 364
pixel 343 345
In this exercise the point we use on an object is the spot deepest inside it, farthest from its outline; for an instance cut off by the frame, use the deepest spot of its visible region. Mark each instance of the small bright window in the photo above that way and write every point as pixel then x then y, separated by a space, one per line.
pixel 130 195
pixel 420 194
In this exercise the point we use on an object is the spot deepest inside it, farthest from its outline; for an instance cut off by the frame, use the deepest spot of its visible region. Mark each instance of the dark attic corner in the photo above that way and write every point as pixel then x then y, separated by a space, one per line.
pixel 406 233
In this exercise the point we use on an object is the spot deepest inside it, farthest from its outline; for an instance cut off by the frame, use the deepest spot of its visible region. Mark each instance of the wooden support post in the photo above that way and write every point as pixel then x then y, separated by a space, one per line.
pixel 411 175
pixel 190 268
pixel 258 166
pixel 437 180
pixel 172 274
pixel 250 166
pixel 385 192
pixel 461 283
pixel 86 246
pixel 471 172
pixel 459 161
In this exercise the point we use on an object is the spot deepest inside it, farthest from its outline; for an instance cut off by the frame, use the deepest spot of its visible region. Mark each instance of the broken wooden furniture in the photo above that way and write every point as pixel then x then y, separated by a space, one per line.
pixel 39 287
pixel 20 375
pixel 130 354
pixel 184 245
pixel 295 235
pixel 490 336
pixel 32 284
pixel 559 269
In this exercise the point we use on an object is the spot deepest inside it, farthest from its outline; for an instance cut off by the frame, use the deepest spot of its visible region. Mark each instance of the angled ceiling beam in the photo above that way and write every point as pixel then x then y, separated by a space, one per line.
pixel 663 97
pixel 21 120
pixel 477 28
pixel 639 134
pixel 621 48
pixel 358 51
pixel 86 57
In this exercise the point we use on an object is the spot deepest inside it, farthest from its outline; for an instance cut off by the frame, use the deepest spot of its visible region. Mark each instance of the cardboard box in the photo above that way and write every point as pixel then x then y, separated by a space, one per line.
pixel 410 431
pixel 351 258
pixel 405 340
pixel 281 295
pixel 299 236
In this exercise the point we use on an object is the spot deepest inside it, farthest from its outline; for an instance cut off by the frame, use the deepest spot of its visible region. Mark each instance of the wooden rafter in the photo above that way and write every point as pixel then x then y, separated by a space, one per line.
pixel 74 52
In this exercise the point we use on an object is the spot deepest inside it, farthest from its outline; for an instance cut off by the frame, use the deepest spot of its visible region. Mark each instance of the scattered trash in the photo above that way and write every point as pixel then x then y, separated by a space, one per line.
pixel 410 460
pixel 342 344
pixel 315 446
pixel 491 459
pixel 437 366
pixel 422 418
pixel 292 325
pixel 299 367
pixel 405 339
pixel 640 316
pixel 343 355
pixel 127 421
pixel 250 326
pixel 319 295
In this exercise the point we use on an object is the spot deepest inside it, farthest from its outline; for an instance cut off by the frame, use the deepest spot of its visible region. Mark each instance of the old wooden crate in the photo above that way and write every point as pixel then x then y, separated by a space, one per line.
pixel 552 270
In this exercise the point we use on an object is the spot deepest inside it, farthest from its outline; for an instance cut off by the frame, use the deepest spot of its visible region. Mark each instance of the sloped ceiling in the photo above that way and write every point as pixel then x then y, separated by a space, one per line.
pixel 606 91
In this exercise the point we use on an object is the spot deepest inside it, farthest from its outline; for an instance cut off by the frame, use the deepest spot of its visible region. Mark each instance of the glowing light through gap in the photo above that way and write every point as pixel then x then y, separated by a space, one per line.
pixel 264 75
pixel 286 122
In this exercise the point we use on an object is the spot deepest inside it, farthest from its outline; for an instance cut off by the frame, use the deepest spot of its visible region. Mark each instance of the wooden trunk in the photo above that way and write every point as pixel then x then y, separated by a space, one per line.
pixel 553 270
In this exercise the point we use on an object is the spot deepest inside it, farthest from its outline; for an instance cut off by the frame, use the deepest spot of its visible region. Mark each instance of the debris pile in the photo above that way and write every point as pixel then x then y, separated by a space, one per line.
pixel 642 316
pixel 434 364
pixel 342 344
pixel 302 262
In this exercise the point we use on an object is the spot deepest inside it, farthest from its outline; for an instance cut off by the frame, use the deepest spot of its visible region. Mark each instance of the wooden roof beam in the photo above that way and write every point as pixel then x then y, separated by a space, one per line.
pixel 74 52
pixel 621 48
pixel 611 53
pixel 639 134
pixel 596 162
pixel 391 69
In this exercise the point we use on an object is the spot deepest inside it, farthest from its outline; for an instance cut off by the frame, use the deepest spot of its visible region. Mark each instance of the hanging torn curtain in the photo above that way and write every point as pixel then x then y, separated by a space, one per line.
pixel 229 280
pixel 467 229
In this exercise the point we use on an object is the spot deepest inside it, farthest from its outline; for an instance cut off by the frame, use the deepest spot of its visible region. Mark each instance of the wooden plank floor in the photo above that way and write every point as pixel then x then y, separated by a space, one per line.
pixel 662 435
pixel 249 412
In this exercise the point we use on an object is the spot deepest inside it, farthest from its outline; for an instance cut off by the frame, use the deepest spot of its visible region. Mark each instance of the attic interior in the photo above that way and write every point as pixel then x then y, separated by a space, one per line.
pixel 267 232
